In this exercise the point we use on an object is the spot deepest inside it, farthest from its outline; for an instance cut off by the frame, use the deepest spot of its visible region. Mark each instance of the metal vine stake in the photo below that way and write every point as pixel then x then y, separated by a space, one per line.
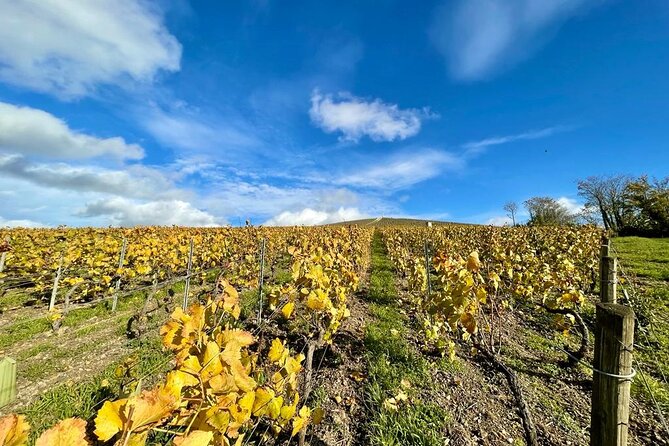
pixel 261 278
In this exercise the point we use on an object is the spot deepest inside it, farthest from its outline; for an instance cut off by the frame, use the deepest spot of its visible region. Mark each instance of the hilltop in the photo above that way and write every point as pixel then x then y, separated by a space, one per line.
pixel 390 221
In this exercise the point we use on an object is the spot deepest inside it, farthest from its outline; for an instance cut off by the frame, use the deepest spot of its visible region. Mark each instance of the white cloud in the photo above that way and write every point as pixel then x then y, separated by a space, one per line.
pixel 135 181
pixel 35 132
pixel 5 223
pixel 478 37
pixel 573 206
pixel 123 212
pixel 500 220
pixel 311 217
pixel 68 48
pixel 402 171
pixel 474 147
pixel 355 118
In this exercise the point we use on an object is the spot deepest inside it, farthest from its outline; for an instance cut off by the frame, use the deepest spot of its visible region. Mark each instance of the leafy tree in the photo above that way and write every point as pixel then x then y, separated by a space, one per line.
pixel 511 209
pixel 650 202
pixel 548 211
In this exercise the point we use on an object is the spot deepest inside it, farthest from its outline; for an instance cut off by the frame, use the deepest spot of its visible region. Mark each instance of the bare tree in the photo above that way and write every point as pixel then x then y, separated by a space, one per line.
pixel 548 211
pixel 511 209
pixel 607 194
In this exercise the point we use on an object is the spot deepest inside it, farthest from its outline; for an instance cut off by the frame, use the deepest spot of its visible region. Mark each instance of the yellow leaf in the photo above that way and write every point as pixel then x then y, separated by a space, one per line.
pixel 211 361
pixel 357 376
pixel 390 404
pixel 288 412
pixel 294 364
pixel 137 439
pixel 108 421
pixel 262 400
pixel 481 295
pixel 195 438
pixel 246 405
pixel 316 301
pixel 70 432
pixel 13 430
pixel 301 420
pixel 401 396
pixel 473 262
pixel 176 380
pixel 278 352
pixel 287 309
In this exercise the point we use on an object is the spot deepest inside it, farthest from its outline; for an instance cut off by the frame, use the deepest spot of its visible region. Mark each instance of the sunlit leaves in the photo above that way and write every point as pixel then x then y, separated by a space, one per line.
pixel 13 430
pixel 224 383
pixel 70 432
pixel 482 271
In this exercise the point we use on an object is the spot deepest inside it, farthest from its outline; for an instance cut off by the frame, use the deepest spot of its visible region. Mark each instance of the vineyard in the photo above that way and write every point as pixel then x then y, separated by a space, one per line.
pixel 351 334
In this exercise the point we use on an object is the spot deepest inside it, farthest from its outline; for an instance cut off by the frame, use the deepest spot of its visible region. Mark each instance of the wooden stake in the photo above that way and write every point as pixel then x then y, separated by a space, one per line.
pixel 118 281
pixel 608 279
pixel 188 271
pixel 54 291
pixel 612 379
pixel 608 286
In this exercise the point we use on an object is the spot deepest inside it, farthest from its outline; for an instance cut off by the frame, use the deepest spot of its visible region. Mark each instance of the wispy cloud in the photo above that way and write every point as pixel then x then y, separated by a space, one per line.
pixel 402 170
pixel 354 117
pixel 35 132
pixel 75 46
pixel 479 37
pixel 188 129
pixel 475 147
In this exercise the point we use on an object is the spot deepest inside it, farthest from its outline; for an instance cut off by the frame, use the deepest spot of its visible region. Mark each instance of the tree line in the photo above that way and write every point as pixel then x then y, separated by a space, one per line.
pixel 622 204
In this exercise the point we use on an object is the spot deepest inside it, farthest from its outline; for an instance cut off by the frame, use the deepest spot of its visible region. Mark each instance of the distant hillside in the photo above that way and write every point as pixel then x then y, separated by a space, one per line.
pixel 388 221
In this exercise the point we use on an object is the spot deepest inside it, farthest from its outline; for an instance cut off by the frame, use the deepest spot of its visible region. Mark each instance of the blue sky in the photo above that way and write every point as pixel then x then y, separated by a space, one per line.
pixel 206 113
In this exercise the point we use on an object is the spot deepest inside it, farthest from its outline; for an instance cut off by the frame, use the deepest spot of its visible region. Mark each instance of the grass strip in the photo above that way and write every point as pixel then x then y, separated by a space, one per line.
pixel 392 363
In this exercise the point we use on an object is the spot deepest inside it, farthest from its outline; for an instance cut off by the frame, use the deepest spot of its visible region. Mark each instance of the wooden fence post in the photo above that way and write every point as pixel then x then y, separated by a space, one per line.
pixel 118 281
pixel 261 279
pixel 188 271
pixel 7 381
pixel 54 291
pixel 608 274
pixel 612 378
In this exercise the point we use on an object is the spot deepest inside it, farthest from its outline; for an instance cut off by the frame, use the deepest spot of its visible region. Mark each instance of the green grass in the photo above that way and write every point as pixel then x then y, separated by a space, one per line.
pixel 391 359
pixel 14 299
pixel 649 259
pixel 22 330
pixel 85 399
pixel 646 257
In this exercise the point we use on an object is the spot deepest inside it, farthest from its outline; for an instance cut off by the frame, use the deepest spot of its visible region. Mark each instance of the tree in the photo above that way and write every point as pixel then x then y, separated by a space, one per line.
pixel 650 202
pixel 511 209
pixel 607 195
pixel 548 211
